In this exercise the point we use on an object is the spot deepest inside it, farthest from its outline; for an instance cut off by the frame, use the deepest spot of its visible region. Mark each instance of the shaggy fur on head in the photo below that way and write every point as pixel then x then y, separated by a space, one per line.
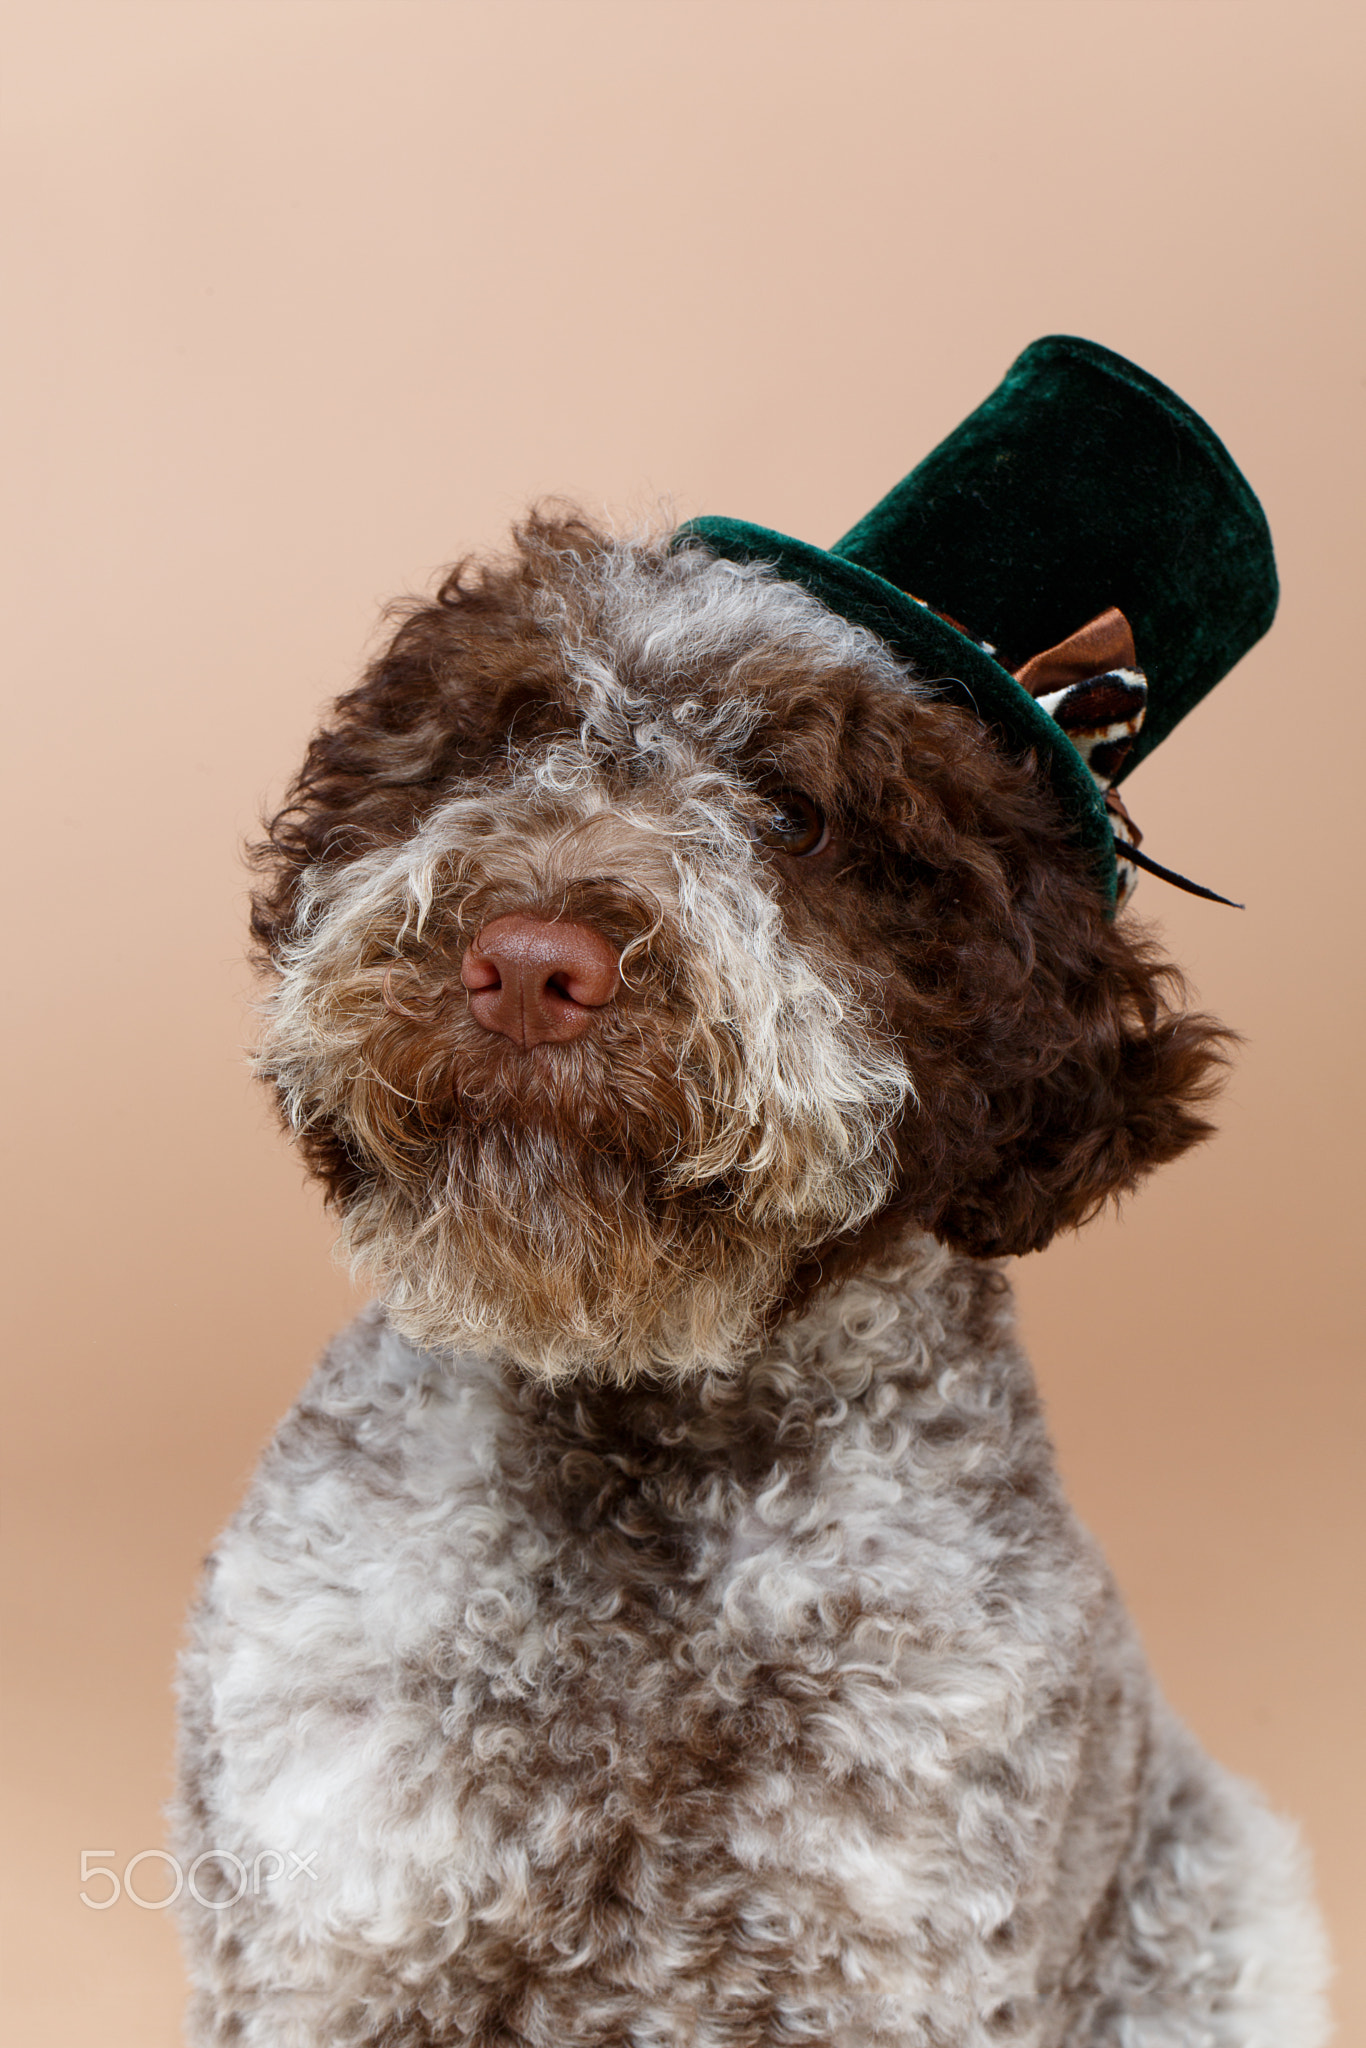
pixel 659 1624
pixel 930 1023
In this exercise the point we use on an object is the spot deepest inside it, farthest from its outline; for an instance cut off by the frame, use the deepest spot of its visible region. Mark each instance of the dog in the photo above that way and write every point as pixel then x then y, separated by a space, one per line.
pixel 659 1621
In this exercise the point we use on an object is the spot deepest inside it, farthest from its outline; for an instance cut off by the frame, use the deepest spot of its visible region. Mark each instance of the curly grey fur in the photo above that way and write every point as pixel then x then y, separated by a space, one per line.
pixel 797 1710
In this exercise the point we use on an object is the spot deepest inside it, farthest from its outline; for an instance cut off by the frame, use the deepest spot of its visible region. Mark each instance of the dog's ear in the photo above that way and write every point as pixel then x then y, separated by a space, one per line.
pixel 1086 1073
pixel 1054 1059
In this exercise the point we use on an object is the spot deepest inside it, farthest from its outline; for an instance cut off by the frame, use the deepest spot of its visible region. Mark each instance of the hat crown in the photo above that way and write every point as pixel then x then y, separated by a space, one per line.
pixel 1083 483
pixel 1081 486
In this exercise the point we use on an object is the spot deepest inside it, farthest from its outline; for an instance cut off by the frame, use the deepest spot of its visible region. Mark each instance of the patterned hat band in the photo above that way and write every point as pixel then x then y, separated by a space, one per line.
pixel 1092 685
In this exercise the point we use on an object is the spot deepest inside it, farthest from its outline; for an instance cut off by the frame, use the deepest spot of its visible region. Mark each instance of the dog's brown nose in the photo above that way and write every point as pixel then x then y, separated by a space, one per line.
pixel 536 979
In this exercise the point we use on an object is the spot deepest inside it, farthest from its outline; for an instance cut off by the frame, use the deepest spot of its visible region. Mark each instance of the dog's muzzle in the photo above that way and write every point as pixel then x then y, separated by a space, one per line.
pixel 538 980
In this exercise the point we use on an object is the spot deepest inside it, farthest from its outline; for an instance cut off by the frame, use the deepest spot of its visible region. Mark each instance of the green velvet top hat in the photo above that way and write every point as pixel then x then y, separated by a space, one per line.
pixel 1082 528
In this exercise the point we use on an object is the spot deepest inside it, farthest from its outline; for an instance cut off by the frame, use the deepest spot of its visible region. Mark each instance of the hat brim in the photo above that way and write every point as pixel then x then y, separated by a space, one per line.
pixel 943 659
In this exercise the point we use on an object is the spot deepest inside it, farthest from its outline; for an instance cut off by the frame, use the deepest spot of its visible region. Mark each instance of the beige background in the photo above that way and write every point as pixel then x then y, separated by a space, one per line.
pixel 305 298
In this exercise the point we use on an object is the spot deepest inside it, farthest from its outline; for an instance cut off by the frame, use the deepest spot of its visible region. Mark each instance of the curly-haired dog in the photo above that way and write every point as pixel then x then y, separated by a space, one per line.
pixel 659 1622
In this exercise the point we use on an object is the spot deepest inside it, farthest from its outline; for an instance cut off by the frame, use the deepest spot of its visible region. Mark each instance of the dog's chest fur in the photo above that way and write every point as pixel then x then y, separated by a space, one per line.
pixel 767 1703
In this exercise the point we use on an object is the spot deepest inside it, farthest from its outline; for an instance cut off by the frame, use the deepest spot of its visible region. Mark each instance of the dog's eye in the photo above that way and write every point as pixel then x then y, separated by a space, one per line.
pixel 793 824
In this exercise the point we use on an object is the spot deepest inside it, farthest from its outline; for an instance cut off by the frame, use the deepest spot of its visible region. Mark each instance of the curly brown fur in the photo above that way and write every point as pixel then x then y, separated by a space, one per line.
pixel 1052 1067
